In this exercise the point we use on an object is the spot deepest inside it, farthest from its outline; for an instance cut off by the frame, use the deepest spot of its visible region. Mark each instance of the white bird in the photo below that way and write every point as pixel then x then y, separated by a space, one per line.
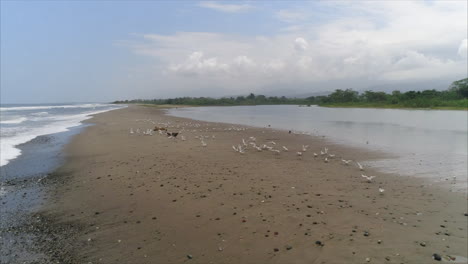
pixel 368 178
pixel 299 153
pixel 331 156
pixel 213 137
pixel 304 148
pixel 346 162
pixel 315 154
pixel 243 142
pixel 241 151
pixel 275 150
pixel 326 150
pixel 258 148
pixel 285 148
pixel 253 138
pixel 326 160
pixel 272 142
pixel 381 190
pixel 203 143
pixel 234 148
pixel 360 166
pixel 138 131
pixel 131 131
pixel 322 153
pixel 182 137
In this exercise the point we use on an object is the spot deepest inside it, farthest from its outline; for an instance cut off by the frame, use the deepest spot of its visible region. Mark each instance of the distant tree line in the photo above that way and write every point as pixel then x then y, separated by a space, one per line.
pixel 456 96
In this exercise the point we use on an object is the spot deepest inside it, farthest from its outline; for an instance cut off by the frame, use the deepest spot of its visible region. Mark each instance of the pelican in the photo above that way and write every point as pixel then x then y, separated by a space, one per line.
pixel 346 162
pixel 285 148
pixel 360 166
pixel 368 178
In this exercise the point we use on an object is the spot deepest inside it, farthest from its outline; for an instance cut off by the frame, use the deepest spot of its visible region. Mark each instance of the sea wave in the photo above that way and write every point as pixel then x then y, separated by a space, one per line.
pixel 14 121
pixel 8 144
pixel 41 107
pixel 40 114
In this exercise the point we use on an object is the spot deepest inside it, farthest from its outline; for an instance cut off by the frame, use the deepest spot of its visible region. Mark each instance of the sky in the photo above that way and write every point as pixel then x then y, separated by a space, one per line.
pixel 101 51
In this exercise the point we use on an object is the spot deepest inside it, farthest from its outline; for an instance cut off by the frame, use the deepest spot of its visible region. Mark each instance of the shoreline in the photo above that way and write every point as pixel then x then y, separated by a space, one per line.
pixel 151 199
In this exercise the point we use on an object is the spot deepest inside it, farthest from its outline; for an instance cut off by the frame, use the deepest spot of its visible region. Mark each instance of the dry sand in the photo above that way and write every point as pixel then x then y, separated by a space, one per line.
pixel 151 199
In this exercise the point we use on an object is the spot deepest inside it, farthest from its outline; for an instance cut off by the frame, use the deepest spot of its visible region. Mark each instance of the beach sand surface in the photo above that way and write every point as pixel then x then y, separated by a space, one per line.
pixel 152 199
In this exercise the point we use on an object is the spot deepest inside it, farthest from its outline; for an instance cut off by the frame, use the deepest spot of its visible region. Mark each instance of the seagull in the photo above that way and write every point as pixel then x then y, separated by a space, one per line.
pixel 253 138
pixel 331 156
pixel 138 131
pixel 360 166
pixel 346 162
pixel 285 148
pixel 131 131
pixel 275 150
pixel 272 142
pixel 381 190
pixel 368 178
pixel 315 154
pixel 183 138
pixel 299 153
pixel 243 142
pixel 326 150
pixel 304 148
pixel 326 160
pixel 203 143
pixel 322 153
pixel 234 148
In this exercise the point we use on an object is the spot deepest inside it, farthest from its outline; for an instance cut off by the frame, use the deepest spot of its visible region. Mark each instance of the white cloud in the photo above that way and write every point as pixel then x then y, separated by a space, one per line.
pixel 387 41
pixel 196 64
pixel 229 8
pixel 300 44
pixel 463 48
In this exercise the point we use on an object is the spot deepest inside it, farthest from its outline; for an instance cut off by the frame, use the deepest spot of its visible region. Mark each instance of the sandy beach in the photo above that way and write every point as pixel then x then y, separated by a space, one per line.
pixel 134 198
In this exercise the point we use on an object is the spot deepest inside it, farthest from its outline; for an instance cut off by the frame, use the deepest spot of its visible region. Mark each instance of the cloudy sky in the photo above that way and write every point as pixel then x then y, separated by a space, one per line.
pixel 94 51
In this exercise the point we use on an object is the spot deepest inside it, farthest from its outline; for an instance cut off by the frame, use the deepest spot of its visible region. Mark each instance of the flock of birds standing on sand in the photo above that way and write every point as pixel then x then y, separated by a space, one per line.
pixel 245 145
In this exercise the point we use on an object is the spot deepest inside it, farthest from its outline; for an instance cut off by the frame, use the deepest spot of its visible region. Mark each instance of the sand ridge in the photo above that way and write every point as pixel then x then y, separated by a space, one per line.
pixel 151 199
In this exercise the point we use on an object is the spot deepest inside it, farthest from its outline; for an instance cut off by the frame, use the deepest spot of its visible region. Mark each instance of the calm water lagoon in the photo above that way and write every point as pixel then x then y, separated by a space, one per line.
pixel 427 143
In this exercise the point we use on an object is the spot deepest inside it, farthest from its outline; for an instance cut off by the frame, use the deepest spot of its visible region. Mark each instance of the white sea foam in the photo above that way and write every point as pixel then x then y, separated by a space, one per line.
pixel 12 137
pixel 14 121
pixel 3 192
pixel 40 114
pixel 41 107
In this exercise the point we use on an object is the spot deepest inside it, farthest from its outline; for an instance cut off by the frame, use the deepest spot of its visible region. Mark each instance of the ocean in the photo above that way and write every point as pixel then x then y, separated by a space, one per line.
pixel 22 123
pixel 32 138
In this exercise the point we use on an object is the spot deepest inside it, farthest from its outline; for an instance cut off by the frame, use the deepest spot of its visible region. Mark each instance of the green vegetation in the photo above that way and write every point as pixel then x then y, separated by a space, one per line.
pixel 225 101
pixel 455 97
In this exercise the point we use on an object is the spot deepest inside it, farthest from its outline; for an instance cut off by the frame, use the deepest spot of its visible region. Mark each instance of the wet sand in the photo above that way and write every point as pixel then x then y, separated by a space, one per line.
pixel 134 198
